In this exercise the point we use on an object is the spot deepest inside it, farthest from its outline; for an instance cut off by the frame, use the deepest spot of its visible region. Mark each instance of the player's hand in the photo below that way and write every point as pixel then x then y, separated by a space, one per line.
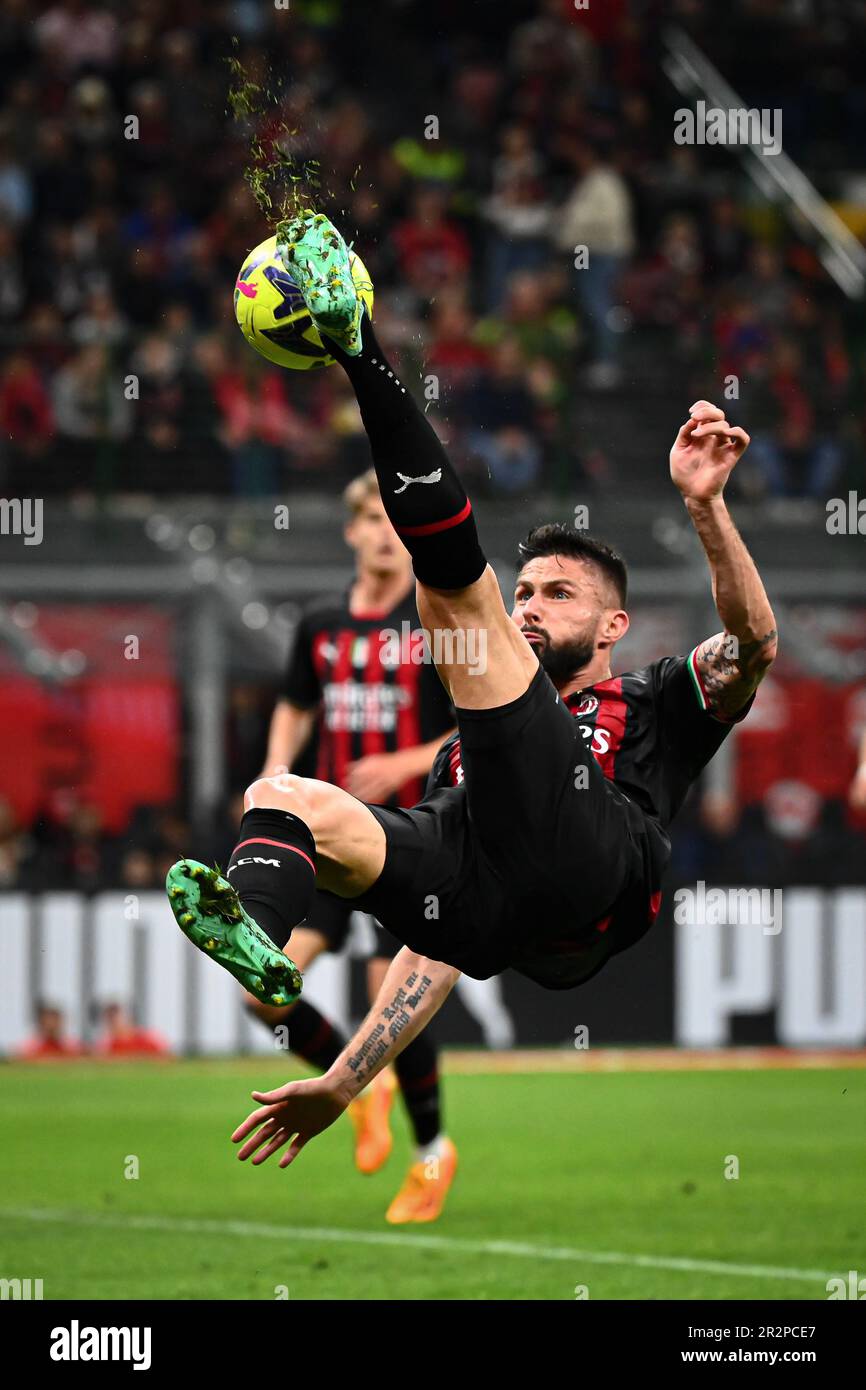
pixel 376 777
pixel 705 452
pixel 857 790
pixel 291 1115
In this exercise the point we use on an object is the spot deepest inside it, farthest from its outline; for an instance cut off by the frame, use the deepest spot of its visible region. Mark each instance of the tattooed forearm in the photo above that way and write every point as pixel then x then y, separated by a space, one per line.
pixel 395 1013
pixel 731 670
pixel 367 1046
pixel 732 664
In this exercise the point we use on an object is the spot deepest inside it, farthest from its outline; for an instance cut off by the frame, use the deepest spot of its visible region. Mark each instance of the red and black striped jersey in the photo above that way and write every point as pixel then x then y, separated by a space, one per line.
pixel 651 733
pixel 371 678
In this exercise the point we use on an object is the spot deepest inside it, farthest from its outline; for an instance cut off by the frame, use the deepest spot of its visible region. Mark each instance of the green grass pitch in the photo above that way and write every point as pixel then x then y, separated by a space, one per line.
pixel 613 1182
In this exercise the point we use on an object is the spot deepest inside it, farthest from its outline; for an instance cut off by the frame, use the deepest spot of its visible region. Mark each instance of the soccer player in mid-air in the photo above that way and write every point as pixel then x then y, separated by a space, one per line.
pixel 542 841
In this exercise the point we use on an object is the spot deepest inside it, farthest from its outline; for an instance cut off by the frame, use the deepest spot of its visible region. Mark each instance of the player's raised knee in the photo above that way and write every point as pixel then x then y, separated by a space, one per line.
pixel 286 792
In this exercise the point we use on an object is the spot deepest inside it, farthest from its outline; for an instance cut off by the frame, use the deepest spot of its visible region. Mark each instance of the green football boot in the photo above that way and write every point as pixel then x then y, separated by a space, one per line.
pixel 209 912
pixel 317 258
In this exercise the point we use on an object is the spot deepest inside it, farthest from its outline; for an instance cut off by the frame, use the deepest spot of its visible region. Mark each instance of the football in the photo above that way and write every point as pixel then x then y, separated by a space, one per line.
pixel 272 315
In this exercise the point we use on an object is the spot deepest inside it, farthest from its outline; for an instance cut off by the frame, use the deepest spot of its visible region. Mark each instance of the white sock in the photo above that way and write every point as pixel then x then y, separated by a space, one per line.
pixel 435 1149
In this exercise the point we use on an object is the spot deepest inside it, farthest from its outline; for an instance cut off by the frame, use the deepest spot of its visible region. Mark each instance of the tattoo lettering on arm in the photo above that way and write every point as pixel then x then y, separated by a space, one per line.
pixel 731 670
pixel 392 1020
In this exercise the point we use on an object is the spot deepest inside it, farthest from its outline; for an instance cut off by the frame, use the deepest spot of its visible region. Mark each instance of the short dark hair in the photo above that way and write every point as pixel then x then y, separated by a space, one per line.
pixel 555 538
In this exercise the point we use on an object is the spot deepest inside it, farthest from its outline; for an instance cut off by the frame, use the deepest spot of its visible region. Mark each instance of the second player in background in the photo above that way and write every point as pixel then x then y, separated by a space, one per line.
pixel 379 715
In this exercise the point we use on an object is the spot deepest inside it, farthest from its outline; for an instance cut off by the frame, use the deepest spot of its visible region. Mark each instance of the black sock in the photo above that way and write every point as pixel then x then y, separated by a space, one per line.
pixel 433 520
pixel 273 870
pixel 311 1036
pixel 417 1071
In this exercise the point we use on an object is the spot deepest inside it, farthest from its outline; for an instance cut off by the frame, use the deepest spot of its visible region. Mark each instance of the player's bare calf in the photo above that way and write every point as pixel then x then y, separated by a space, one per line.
pixel 478 613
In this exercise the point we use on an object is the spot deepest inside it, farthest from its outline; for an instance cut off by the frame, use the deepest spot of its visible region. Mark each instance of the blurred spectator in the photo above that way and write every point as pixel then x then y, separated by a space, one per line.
pixel 60 187
pixel 162 393
pixel 17 851
pixel 98 248
pixel 70 280
pixel 259 426
pixel 143 287
pixel 812 834
pixel 99 321
pixel 191 88
pixel 16 187
pixel 796 462
pixel 90 405
pixel 26 417
pixel 156 147
pixel 49 1043
pixel 74 849
pixel 454 356
pixel 598 216
pixel 12 282
pixel 518 212
pixel 122 1038
pixel 505 438
pixel 535 317
pixel 725 238
pixel 78 33
pixel 347 143
pixel 151 843
pixel 92 118
pixel 161 228
pixel 793 810
pixel 475 98
pixel 742 339
pixel 764 285
pixel 433 250
pixel 550 47
pixel 43 334
pixel 138 870
pixel 725 844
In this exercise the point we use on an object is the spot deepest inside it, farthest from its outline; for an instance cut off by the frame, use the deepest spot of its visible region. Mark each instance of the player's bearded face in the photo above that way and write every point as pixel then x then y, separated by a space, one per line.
pixel 561 659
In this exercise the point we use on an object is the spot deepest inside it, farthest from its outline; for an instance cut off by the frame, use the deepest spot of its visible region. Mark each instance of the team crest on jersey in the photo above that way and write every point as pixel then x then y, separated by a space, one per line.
pixel 588 705
pixel 360 650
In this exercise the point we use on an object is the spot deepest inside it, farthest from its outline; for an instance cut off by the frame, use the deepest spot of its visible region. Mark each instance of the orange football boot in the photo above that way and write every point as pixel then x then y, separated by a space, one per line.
pixel 426 1185
pixel 369 1114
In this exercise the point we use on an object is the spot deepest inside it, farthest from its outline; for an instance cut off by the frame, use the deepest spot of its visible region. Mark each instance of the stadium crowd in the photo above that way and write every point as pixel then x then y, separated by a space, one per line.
pixel 117 1035
pixel 531 128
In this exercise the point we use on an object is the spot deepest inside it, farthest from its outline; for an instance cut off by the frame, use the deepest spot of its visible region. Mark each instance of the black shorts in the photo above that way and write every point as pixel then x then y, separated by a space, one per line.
pixel 332 917
pixel 522 856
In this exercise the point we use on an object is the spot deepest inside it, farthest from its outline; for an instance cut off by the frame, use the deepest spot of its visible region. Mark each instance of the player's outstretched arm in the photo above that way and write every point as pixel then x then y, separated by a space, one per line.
pixel 414 988
pixel 732 663
pixel 289 733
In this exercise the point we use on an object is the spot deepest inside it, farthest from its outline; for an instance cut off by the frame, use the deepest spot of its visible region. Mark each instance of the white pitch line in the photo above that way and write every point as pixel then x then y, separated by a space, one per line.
pixel 518 1249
